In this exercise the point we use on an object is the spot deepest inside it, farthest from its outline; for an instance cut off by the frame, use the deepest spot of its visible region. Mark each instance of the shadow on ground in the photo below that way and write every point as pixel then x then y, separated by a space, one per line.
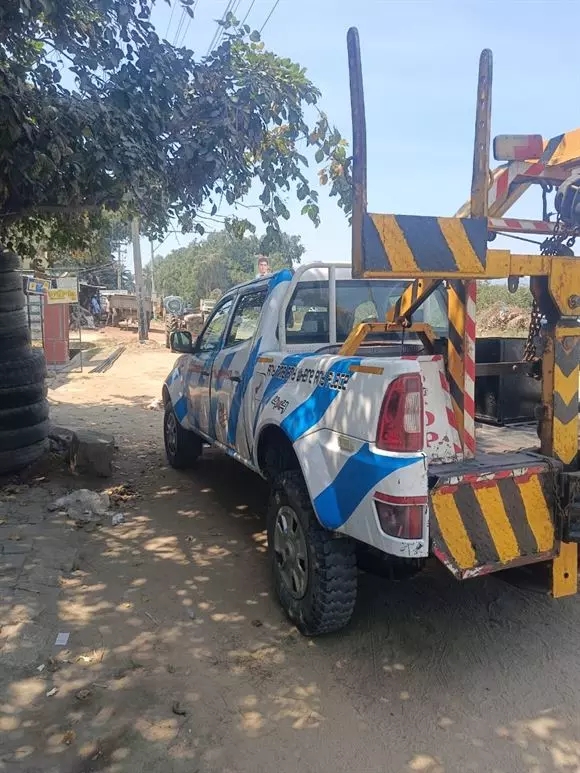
pixel 179 660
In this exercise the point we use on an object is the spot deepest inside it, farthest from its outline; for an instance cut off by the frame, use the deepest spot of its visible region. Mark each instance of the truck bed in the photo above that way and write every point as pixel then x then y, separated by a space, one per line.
pixel 498 448
pixel 518 437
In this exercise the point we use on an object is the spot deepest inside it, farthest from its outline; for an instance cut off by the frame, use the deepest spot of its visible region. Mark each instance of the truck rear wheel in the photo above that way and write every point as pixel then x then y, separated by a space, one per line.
pixel 182 447
pixel 314 570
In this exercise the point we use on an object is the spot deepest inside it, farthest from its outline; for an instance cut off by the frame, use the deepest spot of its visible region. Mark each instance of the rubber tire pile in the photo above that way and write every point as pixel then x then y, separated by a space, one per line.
pixel 23 405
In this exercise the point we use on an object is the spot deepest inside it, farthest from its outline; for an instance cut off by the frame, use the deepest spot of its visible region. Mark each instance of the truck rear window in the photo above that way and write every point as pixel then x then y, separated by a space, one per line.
pixel 357 300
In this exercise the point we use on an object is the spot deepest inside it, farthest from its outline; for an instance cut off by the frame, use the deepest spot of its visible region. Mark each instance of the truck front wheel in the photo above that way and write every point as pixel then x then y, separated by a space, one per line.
pixel 182 447
pixel 314 570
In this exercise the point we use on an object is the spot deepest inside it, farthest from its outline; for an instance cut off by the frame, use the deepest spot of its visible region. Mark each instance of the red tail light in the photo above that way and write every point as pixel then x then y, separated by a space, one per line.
pixel 402 521
pixel 401 421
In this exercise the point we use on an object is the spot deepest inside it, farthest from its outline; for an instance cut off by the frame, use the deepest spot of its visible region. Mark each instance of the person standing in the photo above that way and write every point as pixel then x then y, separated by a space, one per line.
pixel 95 307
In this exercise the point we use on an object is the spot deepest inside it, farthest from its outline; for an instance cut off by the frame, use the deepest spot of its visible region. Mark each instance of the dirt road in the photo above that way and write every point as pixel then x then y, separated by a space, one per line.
pixel 171 611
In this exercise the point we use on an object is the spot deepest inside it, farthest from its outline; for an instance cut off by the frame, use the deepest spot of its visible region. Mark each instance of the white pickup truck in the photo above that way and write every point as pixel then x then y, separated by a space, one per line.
pixel 345 441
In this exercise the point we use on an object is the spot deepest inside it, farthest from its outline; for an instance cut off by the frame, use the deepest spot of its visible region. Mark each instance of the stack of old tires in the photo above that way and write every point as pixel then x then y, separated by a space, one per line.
pixel 23 403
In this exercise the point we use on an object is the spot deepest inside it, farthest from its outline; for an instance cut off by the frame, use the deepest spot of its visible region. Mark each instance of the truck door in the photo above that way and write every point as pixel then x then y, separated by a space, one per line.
pixel 200 366
pixel 232 371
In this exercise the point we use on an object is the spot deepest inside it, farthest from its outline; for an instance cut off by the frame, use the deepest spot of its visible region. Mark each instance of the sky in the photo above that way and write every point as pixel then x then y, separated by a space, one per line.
pixel 420 60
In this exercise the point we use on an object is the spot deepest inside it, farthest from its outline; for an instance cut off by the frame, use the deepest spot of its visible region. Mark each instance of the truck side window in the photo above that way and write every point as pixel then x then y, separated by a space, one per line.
pixel 210 339
pixel 307 315
pixel 246 318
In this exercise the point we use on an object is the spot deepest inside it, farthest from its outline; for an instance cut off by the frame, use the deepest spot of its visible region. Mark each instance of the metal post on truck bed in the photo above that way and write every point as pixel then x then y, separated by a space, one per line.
pixel 462 294
pixel 359 150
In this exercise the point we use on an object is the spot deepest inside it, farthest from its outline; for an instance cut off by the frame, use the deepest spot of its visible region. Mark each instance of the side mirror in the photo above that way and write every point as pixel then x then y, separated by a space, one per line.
pixel 180 341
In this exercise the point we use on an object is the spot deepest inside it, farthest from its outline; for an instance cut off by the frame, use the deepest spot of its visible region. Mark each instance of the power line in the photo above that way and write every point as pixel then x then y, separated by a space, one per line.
pixel 248 12
pixel 170 17
pixel 179 26
pixel 268 16
pixel 189 20
pixel 220 27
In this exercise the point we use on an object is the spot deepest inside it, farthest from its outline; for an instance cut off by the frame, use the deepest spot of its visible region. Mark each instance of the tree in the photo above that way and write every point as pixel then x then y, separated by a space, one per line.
pixel 144 127
pixel 220 261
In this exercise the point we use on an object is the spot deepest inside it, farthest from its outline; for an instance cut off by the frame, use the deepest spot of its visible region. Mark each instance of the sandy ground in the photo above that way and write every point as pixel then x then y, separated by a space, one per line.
pixel 173 607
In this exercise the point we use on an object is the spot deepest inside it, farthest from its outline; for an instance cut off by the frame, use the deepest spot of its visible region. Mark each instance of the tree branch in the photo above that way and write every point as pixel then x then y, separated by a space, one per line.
pixel 51 210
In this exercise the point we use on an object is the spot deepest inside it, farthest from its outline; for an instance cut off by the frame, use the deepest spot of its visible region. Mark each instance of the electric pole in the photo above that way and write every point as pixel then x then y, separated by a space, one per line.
pixel 141 315
pixel 152 269
pixel 120 269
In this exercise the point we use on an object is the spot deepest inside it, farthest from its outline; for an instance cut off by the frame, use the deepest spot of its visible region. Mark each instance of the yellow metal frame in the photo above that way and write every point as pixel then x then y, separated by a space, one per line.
pixel 362 330
pixel 397 246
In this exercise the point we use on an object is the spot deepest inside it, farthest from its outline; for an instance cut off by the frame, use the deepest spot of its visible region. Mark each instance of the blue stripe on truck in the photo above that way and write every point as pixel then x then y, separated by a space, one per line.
pixel 180 408
pixel 240 392
pixel 311 411
pixel 359 474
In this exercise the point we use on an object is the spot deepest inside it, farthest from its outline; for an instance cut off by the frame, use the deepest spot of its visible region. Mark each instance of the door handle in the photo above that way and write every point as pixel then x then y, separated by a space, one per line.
pixel 206 372
pixel 235 379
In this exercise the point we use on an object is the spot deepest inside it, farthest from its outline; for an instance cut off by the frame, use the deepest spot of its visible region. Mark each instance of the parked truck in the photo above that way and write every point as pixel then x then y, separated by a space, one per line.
pixel 352 391
pixel 123 308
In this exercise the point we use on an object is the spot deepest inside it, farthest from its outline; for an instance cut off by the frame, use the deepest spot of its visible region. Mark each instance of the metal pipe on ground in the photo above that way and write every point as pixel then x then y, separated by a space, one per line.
pixel 109 361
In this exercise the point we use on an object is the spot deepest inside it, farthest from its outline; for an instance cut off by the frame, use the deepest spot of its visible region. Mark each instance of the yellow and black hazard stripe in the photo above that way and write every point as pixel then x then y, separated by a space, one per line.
pixel 565 400
pixel 482 524
pixel 410 245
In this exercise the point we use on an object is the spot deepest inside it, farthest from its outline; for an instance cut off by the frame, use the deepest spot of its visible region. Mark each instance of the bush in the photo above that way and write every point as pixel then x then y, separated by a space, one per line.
pixel 489 293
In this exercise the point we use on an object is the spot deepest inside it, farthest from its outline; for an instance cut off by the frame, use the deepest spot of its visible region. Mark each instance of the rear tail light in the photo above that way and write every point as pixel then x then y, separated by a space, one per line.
pixel 401 419
pixel 402 521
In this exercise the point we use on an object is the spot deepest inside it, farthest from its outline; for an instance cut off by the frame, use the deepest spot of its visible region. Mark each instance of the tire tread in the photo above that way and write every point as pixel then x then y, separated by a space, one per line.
pixel 22 371
pixel 332 602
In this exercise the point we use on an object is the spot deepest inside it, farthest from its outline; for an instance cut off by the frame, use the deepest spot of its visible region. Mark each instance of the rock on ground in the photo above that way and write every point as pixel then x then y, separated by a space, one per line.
pixel 92 452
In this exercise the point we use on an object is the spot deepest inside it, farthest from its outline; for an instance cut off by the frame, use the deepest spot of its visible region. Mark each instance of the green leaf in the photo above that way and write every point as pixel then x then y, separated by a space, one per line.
pixel 143 127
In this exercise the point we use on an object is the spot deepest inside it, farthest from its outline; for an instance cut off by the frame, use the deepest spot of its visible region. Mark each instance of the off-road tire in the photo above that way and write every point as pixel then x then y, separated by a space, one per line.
pixel 25 436
pixel 188 446
pixel 9 261
pixel 23 416
pixel 330 596
pixel 15 397
pixel 171 325
pixel 10 281
pixel 22 371
pixel 12 300
pixel 16 459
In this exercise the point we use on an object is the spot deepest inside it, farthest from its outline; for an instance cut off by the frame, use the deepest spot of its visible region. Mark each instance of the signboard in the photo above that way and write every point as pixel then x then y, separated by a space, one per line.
pixel 36 286
pixel 63 290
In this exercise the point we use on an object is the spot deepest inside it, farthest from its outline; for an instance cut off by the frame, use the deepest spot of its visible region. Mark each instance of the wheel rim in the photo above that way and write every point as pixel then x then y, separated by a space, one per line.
pixel 290 552
pixel 171 433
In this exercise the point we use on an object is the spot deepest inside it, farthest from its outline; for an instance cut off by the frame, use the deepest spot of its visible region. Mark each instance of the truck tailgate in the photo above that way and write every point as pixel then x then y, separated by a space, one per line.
pixel 441 436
